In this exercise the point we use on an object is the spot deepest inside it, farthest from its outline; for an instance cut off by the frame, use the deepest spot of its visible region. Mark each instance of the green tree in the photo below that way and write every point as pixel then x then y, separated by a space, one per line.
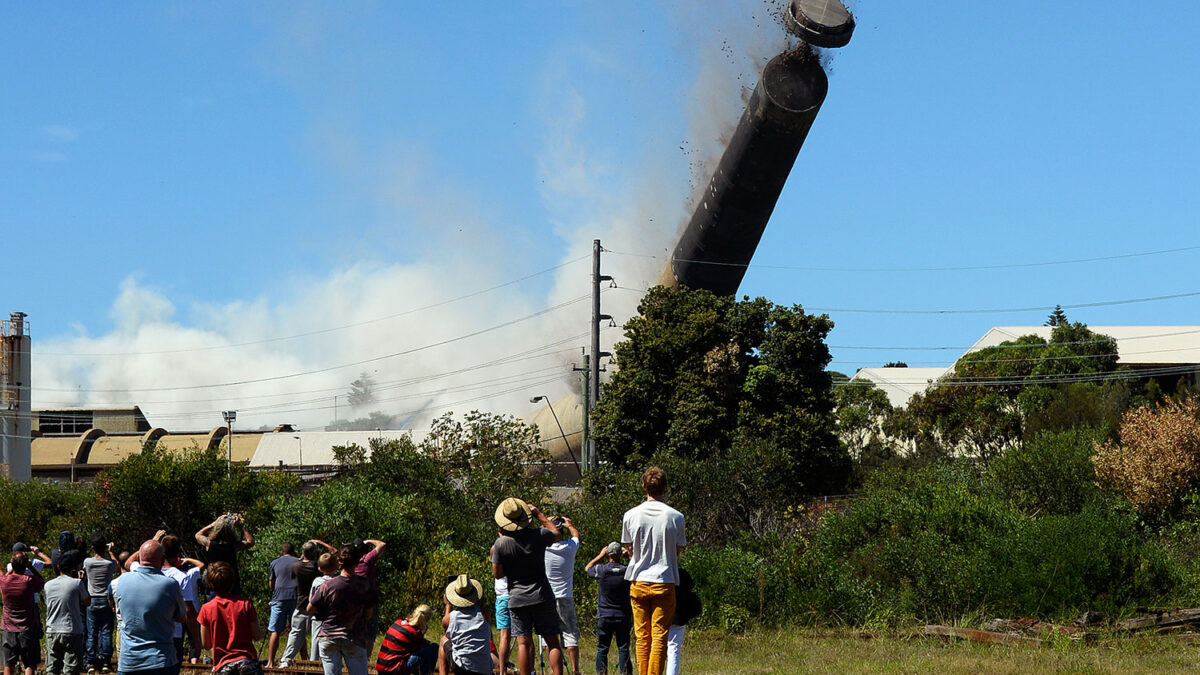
pixel 489 457
pixel 983 406
pixel 1058 317
pixel 700 371
pixel 861 410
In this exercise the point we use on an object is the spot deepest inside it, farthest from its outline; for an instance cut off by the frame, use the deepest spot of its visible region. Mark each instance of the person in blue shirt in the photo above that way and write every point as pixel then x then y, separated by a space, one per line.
pixel 150 604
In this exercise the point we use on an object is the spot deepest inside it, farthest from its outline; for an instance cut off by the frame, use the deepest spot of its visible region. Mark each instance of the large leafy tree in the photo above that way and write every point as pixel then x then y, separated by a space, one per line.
pixel 700 371
pixel 994 397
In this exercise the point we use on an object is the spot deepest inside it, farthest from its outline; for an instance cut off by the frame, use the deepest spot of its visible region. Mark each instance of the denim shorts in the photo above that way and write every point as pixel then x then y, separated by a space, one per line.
pixel 502 622
pixel 281 616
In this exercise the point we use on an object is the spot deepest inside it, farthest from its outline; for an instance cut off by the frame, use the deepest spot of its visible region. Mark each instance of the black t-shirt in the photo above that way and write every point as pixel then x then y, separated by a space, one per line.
pixel 223 551
pixel 687 602
pixel 612 600
pixel 304 572
pixel 523 556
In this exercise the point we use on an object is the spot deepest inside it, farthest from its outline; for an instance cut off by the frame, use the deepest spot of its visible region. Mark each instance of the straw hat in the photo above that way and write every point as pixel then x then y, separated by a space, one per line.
pixel 464 591
pixel 513 514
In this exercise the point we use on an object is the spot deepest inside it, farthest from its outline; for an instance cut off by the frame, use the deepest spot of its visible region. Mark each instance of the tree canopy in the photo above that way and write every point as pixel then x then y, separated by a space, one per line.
pixel 699 372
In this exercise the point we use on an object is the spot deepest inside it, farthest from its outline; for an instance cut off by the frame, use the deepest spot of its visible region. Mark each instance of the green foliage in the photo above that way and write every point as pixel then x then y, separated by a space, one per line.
pixel 35 512
pixel 338 512
pixel 182 493
pixel 938 543
pixel 861 410
pixel 1051 474
pixel 982 408
pixel 488 457
pixel 699 371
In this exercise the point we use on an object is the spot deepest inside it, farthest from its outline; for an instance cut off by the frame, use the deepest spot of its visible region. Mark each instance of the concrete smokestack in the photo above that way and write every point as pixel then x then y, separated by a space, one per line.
pixel 723 233
pixel 15 409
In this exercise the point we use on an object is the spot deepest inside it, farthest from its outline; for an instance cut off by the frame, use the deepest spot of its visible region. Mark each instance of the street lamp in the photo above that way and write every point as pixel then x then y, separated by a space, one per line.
pixel 230 416
pixel 301 459
pixel 535 399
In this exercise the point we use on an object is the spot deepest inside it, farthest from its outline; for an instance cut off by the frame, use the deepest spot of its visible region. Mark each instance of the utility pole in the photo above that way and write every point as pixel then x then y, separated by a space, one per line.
pixel 585 377
pixel 597 317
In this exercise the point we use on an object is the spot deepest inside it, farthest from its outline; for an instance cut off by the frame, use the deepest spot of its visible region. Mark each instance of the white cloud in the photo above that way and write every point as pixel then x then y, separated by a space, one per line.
pixel 60 133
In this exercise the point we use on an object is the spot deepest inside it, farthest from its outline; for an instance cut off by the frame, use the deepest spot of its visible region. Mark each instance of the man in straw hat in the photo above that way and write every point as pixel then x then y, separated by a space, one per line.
pixel 466 643
pixel 519 555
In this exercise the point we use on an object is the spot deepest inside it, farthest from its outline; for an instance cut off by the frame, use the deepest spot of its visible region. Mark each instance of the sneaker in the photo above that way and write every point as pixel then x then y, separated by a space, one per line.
pixel 105 670
pixel 92 670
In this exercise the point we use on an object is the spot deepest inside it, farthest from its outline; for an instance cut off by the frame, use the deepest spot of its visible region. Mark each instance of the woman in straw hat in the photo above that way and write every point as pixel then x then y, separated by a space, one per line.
pixel 466 645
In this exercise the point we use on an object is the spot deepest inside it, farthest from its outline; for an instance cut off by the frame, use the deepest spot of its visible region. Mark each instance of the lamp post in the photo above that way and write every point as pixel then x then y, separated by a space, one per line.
pixel 230 416
pixel 300 461
pixel 570 452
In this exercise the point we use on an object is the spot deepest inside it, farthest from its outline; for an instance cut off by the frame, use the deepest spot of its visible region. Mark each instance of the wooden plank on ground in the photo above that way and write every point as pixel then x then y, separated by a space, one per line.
pixel 985 636
pixel 1172 617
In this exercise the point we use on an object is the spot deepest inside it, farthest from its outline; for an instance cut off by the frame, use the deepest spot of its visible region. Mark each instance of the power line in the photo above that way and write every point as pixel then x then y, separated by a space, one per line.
pixel 405 352
pixel 323 330
pixel 958 268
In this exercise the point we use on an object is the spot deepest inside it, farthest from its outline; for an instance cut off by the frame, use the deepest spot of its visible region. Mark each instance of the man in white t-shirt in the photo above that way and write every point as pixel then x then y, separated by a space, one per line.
pixel 654 533
pixel 560 572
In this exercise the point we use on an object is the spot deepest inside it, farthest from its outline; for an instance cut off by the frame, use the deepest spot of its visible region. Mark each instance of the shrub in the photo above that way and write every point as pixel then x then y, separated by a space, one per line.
pixel 1157 461
pixel 1049 474
pixel 937 544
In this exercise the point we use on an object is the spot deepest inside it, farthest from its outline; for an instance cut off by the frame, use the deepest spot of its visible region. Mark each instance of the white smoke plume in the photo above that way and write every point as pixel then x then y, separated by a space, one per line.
pixel 288 356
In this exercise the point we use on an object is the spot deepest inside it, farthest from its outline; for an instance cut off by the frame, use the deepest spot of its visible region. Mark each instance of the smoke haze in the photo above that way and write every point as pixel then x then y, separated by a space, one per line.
pixel 427 329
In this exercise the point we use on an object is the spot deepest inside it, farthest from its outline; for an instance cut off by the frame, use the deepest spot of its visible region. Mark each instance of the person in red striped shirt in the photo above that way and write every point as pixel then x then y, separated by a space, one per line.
pixel 404 650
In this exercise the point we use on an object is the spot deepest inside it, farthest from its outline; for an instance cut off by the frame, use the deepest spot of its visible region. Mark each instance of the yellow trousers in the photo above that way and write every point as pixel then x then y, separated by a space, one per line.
pixel 653 610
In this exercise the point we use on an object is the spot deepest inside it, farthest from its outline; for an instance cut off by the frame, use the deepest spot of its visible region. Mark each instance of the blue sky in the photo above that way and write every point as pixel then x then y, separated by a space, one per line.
pixel 180 180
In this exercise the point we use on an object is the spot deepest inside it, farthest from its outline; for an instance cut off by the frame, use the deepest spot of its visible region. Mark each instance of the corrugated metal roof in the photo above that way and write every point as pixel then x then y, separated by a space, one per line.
pixel 112 449
pixel 900 383
pixel 316 447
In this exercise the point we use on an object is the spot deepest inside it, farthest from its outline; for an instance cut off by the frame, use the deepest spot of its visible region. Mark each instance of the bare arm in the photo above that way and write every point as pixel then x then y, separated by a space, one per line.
pixel 571 528
pixel 206 636
pixel 498 570
pixel 247 538
pixel 328 547
pixel 595 561
pixel 198 564
pixel 446 614
pixel 543 519
pixel 40 554
pixel 204 536
pixel 377 543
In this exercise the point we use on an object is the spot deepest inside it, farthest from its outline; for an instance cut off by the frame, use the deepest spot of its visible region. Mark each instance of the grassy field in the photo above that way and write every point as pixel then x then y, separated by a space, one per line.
pixel 810 652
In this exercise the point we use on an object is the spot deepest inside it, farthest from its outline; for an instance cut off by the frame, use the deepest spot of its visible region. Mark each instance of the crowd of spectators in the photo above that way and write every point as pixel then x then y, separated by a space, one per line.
pixel 167 609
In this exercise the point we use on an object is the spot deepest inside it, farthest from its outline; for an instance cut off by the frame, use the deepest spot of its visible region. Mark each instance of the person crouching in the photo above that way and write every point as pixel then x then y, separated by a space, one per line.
pixel 466 646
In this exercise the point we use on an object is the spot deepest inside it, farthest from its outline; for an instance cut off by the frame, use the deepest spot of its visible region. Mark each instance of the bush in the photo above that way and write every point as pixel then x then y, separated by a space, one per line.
pixel 1049 474
pixel 937 544
pixel 337 512
pixel 1157 462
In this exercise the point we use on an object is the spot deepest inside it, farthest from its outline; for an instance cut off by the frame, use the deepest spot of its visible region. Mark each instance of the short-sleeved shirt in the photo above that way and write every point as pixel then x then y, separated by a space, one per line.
pixel 654 531
pixel 65 599
pixel 470 638
pixel 303 573
pixel 151 604
pixel 188 586
pixel 342 604
pixel 366 567
pixel 612 599
pixel 560 566
pixel 280 571
pixel 523 556
pixel 19 594
pixel 230 619
pixel 224 551
pixel 99 572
